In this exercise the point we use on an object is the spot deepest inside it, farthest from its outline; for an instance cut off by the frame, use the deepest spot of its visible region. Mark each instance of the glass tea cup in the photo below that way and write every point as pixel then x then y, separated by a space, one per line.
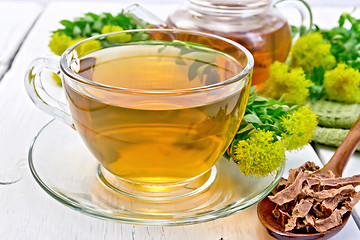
pixel 156 107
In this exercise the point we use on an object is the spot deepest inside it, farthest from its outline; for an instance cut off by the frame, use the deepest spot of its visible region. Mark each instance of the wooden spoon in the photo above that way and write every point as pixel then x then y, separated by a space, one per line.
pixel 336 165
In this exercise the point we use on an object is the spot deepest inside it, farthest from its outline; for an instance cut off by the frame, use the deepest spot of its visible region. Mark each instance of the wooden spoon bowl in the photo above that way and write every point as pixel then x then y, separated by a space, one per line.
pixel 336 165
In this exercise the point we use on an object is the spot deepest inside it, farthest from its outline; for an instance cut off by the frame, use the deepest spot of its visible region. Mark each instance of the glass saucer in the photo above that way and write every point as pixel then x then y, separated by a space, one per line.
pixel 67 171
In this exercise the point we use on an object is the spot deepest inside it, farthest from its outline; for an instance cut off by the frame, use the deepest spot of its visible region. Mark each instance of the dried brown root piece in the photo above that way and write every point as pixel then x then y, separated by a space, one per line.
pixel 308 203
pixel 324 224
pixel 292 191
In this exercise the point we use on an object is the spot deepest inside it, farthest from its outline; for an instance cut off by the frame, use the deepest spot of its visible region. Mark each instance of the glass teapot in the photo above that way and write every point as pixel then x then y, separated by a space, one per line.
pixel 256 24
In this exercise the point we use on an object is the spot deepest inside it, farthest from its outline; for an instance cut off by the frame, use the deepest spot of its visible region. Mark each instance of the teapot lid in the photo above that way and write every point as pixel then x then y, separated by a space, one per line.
pixel 231 4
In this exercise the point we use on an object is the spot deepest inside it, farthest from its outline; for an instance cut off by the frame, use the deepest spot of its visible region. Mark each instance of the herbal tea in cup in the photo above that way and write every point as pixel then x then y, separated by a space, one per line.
pixel 155 107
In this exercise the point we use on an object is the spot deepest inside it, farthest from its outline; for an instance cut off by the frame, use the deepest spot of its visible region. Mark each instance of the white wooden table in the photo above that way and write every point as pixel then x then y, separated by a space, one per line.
pixel 26 211
pixel 15 22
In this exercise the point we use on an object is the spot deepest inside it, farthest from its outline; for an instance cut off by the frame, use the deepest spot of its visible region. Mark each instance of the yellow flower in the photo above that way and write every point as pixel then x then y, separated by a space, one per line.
pixel 312 51
pixel 297 128
pixel 86 47
pixel 342 84
pixel 259 155
pixel 290 83
pixel 59 42
pixel 57 79
pixel 116 38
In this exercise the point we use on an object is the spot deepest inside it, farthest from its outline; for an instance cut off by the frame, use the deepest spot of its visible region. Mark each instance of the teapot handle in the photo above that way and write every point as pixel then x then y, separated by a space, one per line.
pixel 143 17
pixel 305 13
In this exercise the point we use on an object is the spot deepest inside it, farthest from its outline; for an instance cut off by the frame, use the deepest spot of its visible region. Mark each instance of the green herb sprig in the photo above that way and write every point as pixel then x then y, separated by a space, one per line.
pixel 269 128
pixel 92 24
pixel 345 42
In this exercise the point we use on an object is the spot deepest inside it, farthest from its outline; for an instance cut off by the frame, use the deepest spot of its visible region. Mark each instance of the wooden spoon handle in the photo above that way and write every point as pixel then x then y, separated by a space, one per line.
pixel 342 155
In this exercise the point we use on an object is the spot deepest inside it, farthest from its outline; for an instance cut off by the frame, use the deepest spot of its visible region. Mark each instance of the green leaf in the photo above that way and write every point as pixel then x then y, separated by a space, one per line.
pixel 341 20
pixel 184 51
pixel 92 15
pixel 160 50
pixel 98 25
pixel 88 18
pixel 212 76
pixel 76 32
pixel 247 127
pixel 252 118
pixel 67 23
pixel 344 39
pixel 87 30
pixel 178 60
pixel 193 70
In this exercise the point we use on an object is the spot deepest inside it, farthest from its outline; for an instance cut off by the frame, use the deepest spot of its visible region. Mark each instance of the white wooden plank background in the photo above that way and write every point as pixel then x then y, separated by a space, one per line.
pixel 15 21
pixel 27 212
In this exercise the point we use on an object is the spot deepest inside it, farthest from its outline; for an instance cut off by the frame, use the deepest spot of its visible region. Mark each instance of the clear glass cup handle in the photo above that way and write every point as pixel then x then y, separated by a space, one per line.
pixel 305 13
pixel 34 86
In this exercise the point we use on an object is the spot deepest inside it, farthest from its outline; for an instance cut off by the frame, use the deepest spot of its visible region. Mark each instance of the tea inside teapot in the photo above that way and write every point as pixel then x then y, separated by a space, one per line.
pixel 255 24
